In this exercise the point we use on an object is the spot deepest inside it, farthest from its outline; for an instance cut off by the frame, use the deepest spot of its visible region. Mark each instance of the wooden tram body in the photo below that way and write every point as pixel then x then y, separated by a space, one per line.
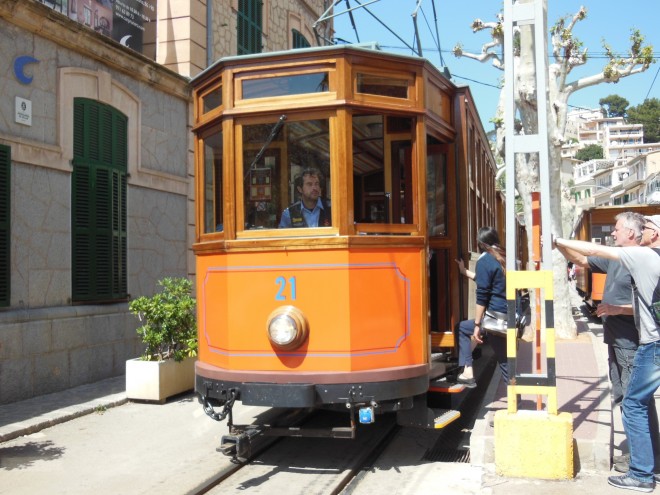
pixel 408 178
pixel 595 225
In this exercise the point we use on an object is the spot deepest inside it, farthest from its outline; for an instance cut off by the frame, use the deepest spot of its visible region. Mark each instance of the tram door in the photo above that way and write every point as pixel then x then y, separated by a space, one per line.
pixel 440 242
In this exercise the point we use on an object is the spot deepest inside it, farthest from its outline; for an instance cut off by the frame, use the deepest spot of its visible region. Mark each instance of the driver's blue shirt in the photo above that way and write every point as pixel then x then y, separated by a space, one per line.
pixel 311 216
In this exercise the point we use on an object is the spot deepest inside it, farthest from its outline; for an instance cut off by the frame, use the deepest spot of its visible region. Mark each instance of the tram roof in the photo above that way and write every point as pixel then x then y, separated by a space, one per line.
pixel 368 47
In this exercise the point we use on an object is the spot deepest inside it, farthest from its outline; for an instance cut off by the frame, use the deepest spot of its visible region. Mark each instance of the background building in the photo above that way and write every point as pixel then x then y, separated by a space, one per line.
pixel 628 170
pixel 96 201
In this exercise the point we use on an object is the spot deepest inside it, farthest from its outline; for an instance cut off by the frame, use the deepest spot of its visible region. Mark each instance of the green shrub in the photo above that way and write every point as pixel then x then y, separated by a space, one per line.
pixel 170 327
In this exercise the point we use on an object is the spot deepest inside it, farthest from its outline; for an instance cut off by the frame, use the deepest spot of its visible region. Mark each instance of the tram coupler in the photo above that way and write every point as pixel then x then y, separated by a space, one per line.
pixel 238 445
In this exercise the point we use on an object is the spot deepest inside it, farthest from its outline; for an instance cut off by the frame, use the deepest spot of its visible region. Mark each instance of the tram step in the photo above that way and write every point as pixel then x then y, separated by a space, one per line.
pixel 422 416
pixel 444 386
pixel 444 417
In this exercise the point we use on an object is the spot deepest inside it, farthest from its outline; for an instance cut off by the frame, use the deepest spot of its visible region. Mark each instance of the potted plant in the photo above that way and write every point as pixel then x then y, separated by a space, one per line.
pixel 169 334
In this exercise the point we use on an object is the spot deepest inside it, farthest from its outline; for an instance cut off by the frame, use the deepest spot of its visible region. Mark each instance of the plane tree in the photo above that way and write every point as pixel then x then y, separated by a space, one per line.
pixel 565 54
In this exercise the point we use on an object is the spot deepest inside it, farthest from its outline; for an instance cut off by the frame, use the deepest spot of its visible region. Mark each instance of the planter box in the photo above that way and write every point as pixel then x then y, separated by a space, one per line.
pixel 158 380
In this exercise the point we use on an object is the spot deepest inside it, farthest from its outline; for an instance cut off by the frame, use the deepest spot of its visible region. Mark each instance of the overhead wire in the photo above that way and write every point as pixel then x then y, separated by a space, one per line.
pixel 415 49
pixel 652 83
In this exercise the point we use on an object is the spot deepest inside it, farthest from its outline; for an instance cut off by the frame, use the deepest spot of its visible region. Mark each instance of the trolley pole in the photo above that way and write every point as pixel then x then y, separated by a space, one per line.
pixel 536 444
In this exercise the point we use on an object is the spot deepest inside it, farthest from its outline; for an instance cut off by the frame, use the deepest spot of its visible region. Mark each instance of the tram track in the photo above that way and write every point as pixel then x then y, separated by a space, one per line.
pixel 339 466
pixel 304 465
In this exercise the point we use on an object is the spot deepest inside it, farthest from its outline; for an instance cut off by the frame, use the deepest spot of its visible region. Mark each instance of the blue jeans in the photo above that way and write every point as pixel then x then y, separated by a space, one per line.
pixel 621 363
pixel 465 331
pixel 644 381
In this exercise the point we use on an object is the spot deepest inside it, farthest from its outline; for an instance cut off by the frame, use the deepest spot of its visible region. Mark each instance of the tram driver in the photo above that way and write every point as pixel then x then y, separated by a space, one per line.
pixel 311 210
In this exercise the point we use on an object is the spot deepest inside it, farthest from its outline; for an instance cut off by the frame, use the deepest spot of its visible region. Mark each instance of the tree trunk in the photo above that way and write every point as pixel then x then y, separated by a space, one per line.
pixel 528 177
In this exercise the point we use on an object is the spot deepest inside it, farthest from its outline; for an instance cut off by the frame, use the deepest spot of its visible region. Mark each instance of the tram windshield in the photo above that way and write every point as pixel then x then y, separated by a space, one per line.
pixel 287 174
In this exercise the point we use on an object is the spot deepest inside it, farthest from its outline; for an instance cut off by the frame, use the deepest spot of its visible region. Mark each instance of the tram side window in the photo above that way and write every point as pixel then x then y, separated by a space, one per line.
pixel 436 190
pixel 382 169
pixel 287 174
pixel 213 203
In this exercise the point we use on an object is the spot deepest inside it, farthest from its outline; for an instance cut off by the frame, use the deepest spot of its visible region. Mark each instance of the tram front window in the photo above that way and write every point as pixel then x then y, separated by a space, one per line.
pixel 287 174
pixel 382 169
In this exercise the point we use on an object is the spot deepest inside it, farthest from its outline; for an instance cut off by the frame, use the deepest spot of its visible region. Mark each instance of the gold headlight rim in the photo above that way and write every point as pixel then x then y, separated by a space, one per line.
pixel 301 324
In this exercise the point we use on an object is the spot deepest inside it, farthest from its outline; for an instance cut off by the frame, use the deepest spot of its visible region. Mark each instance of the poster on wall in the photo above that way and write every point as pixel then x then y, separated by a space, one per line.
pixel 130 22
pixel 134 24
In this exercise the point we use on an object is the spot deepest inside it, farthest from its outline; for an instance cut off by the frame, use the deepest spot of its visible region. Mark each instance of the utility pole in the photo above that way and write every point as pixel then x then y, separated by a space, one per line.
pixel 540 445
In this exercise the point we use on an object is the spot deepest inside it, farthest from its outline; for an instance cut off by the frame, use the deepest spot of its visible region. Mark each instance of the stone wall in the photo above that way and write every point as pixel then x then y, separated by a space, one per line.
pixel 51 349
pixel 46 343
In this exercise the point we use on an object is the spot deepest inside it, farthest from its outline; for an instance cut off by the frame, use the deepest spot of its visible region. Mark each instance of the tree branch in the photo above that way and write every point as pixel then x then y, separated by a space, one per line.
pixel 497 36
pixel 484 56
pixel 592 80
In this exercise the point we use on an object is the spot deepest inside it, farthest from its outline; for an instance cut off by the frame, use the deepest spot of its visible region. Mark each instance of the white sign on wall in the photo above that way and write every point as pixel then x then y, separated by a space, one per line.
pixel 23 111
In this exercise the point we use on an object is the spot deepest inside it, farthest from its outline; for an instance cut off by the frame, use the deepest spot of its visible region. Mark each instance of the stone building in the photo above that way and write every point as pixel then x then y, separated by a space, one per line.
pixel 96 201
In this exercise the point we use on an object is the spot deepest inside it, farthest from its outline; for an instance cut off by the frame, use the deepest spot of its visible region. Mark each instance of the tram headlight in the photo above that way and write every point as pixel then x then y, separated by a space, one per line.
pixel 287 328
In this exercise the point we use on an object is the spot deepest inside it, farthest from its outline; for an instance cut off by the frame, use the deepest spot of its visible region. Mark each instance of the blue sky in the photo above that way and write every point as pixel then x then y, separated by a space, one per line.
pixel 606 19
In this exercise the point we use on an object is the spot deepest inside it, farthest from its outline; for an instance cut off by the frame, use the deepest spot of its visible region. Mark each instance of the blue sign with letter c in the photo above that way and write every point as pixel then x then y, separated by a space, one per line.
pixel 19 68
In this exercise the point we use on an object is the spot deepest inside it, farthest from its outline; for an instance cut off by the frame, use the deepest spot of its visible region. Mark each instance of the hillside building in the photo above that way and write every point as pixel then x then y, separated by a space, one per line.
pixel 622 176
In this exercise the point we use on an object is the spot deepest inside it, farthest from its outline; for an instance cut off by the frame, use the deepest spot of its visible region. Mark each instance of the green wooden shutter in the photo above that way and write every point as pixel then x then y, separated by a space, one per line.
pixel 5 204
pixel 99 202
pixel 250 26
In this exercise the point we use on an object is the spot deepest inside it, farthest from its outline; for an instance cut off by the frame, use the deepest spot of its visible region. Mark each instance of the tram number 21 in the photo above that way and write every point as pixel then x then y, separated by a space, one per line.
pixel 287 289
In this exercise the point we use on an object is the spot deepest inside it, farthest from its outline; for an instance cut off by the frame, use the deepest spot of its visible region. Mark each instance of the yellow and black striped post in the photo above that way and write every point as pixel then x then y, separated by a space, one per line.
pixel 533 444
pixel 540 384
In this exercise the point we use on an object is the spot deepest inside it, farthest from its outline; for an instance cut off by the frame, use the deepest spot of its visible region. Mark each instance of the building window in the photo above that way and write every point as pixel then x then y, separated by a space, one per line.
pixel 5 168
pixel 98 212
pixel 250 26
pixel 299 41
pixel 87 16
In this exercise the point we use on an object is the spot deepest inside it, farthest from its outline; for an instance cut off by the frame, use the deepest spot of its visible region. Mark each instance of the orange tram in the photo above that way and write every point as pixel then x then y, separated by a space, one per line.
pixel 353 310
pixel 596 224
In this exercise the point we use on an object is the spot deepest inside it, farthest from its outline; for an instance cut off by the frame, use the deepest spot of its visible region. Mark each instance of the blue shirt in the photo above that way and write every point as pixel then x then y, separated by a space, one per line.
pixel 491 283
pixel 311 216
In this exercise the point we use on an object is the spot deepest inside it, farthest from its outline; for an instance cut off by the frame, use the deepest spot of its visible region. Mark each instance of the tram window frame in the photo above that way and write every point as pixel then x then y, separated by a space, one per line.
pixel 436 176
pixel 386 198
pixel 409 101
pixel 203 188
pixel 362 85
pixel 241 175
pixel 204 115
pixel 273 72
